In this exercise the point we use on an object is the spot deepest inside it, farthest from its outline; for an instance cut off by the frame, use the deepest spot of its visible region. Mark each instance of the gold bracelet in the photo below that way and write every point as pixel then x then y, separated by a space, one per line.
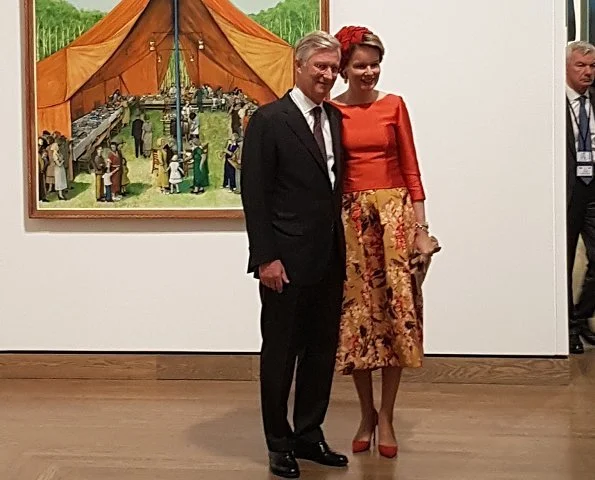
pixel 423 226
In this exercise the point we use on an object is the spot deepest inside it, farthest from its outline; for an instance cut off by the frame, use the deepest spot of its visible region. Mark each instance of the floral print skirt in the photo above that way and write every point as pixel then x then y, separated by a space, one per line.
pixel 381 324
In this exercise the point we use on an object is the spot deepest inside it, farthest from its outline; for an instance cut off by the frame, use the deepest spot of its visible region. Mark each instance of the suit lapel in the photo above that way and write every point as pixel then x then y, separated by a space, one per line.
pixel 570 156
pixel 570 132
pixel 297 123
pixel 335 123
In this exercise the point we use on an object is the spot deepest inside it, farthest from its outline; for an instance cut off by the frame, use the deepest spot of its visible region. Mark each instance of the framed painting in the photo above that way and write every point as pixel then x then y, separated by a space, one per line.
pixel 137 108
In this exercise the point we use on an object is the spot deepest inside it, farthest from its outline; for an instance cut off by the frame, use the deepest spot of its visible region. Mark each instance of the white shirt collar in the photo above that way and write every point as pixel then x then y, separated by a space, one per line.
pixel 573 95
pixel 304 103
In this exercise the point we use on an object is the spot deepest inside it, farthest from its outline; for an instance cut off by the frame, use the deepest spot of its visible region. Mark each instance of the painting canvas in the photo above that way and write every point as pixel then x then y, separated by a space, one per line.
pixel 138 108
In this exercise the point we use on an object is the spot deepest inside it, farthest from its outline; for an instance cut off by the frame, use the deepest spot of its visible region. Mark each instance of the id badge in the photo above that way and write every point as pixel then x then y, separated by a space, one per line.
pixel 584 157
pixel 584 170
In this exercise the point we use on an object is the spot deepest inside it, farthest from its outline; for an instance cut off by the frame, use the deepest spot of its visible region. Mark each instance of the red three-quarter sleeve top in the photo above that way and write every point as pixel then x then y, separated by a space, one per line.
pixel 379 147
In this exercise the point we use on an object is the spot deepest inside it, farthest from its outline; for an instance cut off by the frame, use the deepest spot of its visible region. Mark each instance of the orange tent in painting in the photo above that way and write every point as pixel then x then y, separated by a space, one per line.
pixel 130 48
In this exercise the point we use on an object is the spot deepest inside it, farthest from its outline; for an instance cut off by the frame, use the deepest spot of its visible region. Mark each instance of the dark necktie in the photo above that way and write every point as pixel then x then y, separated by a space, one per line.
pixel 317 111
pixel 584 133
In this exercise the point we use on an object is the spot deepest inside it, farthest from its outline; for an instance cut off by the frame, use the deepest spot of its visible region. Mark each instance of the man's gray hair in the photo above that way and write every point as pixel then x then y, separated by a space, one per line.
pixel 585 48
pixel 315 41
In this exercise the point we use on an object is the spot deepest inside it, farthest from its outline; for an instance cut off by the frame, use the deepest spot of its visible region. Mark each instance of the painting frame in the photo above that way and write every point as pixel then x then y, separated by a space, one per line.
pixel 30 145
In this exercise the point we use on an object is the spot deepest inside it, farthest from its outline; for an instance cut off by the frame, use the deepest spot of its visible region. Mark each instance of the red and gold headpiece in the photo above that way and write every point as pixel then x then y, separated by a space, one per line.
pixel 349 37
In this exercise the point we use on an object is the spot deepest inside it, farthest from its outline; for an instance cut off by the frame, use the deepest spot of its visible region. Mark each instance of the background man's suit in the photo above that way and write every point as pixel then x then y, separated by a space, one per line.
pixel 293 214
pixel 580 200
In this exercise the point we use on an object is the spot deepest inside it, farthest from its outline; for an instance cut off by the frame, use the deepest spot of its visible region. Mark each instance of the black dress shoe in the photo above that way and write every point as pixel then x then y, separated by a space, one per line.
pixel 319 452
pixel 283 464
pixel 575 344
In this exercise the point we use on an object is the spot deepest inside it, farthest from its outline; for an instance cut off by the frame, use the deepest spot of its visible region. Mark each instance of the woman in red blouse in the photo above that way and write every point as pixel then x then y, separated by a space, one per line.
pixel 385 224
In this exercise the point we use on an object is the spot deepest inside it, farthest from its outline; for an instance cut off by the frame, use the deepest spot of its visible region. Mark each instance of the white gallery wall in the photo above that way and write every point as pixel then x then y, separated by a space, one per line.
pixel 484 84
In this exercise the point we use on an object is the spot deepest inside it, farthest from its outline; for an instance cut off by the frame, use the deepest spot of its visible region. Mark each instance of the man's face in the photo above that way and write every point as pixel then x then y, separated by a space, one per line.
pixel 580 71
pixel 316 76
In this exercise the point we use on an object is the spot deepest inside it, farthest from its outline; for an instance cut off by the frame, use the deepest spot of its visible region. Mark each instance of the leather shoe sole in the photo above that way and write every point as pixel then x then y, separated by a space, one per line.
pixel 284 473
pixel 334 461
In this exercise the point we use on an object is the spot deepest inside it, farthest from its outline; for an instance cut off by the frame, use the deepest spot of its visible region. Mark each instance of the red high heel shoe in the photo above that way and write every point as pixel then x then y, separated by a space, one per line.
pixel 359 446
pixel 388 451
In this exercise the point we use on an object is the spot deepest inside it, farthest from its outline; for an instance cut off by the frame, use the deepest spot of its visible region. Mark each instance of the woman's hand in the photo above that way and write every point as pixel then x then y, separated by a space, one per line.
pixel 423 243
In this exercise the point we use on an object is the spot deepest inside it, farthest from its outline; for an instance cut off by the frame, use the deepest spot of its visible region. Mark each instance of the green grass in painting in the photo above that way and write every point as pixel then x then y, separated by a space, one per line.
pixel 142 192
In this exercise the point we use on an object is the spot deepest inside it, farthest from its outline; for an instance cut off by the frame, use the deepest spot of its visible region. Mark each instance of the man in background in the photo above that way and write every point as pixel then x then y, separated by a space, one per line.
pixel 580 184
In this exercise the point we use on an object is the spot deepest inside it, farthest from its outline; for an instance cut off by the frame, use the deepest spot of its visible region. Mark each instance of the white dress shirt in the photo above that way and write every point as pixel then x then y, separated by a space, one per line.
pixel 306 106
pixel 573 98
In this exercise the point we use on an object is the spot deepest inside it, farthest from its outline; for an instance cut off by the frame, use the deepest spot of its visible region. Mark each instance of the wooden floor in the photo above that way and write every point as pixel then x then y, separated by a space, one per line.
pixel 182 430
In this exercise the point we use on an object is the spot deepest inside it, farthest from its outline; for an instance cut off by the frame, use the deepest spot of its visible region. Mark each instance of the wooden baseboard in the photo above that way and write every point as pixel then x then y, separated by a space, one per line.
pixel 237 367
pixel 582 367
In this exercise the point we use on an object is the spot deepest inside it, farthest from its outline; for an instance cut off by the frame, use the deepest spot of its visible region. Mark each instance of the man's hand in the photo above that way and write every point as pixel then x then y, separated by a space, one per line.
pixel 273 275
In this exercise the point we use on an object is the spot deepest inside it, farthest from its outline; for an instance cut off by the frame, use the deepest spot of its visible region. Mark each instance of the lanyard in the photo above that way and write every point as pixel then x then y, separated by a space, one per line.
pixel 585 138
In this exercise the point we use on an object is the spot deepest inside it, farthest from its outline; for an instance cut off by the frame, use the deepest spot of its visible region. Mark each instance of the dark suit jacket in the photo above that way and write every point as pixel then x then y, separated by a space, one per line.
pixel 571 150
pixel 292 212
pixel 137 128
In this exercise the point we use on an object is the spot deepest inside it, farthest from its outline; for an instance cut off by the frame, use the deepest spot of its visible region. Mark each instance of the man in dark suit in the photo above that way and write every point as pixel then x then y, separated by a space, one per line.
pixel 291 192
pixel 580 184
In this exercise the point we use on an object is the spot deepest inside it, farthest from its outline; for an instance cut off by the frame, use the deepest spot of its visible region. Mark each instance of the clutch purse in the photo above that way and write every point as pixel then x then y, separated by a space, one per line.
pixel 420 262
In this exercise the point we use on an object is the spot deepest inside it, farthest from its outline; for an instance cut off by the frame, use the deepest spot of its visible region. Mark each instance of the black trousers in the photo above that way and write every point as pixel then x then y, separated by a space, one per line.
pixel 301 325
pixel 138 147
pixel 581 221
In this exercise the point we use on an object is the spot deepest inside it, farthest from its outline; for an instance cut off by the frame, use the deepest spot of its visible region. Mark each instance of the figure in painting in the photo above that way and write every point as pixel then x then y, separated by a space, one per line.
pixel 231 155
pixel 98 166
pixel 176 175
pixel 200 167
